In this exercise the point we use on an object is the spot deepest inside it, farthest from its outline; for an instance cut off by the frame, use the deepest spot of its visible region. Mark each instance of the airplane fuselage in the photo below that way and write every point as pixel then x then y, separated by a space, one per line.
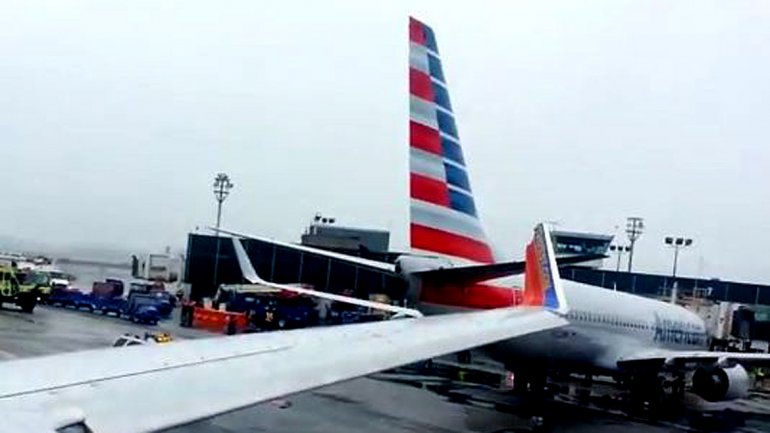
pixel 605 326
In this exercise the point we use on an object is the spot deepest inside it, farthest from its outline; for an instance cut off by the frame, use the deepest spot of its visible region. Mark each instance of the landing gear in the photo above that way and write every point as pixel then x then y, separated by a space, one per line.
pixel 656 392
pixel 530 384
pixel 529 381
pixel 646 390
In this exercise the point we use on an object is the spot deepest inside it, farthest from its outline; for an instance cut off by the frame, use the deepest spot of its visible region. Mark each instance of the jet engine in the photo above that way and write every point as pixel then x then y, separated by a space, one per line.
pixel 719 383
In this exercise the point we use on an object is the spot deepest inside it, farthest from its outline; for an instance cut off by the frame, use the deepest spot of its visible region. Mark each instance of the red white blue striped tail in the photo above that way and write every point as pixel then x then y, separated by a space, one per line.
pixel 443 213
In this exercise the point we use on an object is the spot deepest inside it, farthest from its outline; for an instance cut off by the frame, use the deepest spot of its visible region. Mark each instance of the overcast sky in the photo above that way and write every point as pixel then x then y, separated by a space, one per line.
pixel 115 117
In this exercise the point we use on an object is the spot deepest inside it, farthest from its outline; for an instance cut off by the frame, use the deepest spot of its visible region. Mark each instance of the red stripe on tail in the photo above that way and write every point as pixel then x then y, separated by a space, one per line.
pixel 424 138
pixel 416 33
pixel 421 85
pixel 439 241
pixel 430 190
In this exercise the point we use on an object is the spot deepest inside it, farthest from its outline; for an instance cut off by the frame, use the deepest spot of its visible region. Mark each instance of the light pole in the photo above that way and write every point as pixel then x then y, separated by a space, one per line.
pixel 222 187
pixel 677 244
pixel 634 229
pixel 620 249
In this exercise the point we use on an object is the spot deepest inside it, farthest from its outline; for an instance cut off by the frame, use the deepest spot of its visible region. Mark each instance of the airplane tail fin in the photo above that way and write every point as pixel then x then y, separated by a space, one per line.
pixel 443 217
pixel 542 283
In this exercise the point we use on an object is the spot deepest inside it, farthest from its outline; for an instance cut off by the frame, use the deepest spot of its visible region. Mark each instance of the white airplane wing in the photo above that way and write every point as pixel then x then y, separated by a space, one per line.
pixel 695 358
pixel 147 388
pixel 250 274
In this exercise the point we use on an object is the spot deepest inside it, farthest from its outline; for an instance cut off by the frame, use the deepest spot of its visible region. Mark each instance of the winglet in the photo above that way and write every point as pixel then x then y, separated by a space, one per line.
pixel 245 263
pixel 250 274
pixel 542 283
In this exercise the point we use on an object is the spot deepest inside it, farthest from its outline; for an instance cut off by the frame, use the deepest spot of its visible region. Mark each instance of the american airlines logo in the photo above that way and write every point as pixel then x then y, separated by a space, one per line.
pixel 678 332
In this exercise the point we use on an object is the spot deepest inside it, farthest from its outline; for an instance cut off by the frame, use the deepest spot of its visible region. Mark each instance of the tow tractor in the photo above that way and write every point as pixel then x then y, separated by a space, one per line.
pixel 12 292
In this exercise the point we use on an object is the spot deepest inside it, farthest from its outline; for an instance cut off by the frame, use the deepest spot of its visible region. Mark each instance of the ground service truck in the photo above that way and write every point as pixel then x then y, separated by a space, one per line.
pixel 13 292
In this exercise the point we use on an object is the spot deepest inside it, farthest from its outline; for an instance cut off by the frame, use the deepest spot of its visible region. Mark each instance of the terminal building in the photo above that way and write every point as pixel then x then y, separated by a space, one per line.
pixel 211 261
pixel 204 272
pixel 323 233
pixel 567 244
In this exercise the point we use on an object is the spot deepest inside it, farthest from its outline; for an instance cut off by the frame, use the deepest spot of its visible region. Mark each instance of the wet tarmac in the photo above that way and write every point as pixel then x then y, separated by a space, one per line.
pixel 367 404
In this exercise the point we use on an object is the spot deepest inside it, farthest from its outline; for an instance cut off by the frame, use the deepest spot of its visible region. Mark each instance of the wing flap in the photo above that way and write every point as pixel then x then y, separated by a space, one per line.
pixel 146 388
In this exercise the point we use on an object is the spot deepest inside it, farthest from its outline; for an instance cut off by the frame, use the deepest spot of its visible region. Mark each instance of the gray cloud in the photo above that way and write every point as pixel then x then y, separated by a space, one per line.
pixel 115 116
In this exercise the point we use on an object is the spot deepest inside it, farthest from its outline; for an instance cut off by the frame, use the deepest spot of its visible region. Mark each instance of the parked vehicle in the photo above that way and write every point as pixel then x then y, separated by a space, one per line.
pixel 40 282
pixel 269 309
pixel 12 292
pixel 141 306
pixel 149 338
pixel 111 288
pixel 62 297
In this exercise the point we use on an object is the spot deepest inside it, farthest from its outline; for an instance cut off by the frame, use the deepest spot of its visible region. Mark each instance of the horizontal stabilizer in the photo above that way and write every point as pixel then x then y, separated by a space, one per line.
pixel 478 273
